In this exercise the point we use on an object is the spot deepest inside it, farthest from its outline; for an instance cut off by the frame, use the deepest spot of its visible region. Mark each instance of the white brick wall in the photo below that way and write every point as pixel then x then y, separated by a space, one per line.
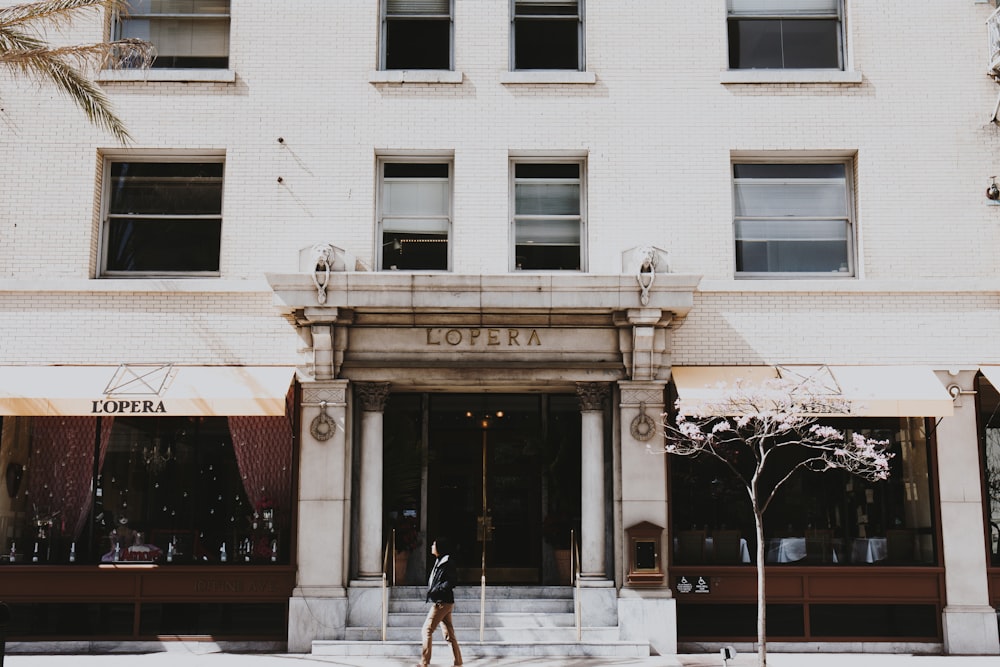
pixel 658 128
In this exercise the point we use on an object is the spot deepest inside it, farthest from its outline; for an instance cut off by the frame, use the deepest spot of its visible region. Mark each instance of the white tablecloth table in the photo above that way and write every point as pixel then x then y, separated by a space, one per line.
pixel 790 550
pixel 869 549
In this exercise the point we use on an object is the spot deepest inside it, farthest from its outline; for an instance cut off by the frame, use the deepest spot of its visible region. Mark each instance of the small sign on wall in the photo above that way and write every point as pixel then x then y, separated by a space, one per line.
pixel 692 584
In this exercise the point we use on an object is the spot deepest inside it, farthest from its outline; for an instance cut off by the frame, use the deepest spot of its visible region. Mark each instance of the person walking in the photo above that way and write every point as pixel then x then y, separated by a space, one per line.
pixel 440 591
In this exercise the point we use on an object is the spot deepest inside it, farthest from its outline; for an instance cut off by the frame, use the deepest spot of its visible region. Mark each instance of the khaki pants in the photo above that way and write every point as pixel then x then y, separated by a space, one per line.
pixel 439 613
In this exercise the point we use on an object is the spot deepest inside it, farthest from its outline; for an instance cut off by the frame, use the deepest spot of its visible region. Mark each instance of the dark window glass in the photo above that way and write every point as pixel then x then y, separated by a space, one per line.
pixel 737 620
pixel 989 411
pixel 246 619
pixel 547 36
pixel 418 44
pixel 415 170
pixel 410 251
pixel 784 44
pixel 164 217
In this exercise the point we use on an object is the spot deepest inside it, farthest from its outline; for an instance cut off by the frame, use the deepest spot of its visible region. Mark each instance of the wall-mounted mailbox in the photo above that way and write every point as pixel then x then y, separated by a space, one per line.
pixel 645 566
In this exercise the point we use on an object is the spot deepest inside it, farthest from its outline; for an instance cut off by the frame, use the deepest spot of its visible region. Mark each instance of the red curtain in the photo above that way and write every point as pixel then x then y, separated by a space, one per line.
pixel 61 469
pixel 263 447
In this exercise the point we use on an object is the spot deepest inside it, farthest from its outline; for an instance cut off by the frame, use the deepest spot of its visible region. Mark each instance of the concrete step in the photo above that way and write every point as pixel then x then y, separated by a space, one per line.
pixel 502 634
pixel 492 620
pixel 492 592
pixel 476 649
pixel 493 605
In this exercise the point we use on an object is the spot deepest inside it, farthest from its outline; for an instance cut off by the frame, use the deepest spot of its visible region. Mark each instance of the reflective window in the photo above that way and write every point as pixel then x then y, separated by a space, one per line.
pixel 414 215
pixel 186 33
pixel 829 518
pixel 785 34
pixel 547 34
pixel 548 224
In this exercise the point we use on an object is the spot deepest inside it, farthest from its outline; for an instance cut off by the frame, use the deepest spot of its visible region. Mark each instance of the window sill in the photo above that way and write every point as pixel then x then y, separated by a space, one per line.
pixel 755 76
pixel 415 76
pixel 549 77
pixel 177 75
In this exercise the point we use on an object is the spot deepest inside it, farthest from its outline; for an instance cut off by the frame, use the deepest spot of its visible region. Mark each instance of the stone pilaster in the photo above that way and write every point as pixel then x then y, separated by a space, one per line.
pixel 373 397
pixel 318 606
pixel 969 622
pixel 592 396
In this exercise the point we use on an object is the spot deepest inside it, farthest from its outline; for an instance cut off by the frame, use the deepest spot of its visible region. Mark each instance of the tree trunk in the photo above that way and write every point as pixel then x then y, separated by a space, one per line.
pixel 761 601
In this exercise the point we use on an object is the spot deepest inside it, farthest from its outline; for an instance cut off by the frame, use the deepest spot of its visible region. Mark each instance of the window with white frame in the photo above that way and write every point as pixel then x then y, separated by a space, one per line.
pixel 162 217
pixel 793 218
pixel 186 33
pixel 547 35
pixel 414 214
pixel 416 34
pixel 786 34
pixel 548 223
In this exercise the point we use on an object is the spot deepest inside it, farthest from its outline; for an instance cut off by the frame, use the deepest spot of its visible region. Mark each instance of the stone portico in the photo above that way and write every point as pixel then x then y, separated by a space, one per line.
pixel 605 339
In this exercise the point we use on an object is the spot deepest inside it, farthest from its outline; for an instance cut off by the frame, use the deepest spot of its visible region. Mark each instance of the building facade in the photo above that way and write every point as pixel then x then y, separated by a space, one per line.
pixel 438 267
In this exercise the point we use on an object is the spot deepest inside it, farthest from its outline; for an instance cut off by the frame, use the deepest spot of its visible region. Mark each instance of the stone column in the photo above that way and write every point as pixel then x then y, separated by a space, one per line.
pixel 592 530
pixel 318 606
pixel 372 396
pixel 969 622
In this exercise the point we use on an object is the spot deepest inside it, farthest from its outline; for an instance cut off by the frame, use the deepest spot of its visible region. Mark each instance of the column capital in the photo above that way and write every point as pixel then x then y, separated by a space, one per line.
pixel 592 395
pixel 372 395
pixel 331 392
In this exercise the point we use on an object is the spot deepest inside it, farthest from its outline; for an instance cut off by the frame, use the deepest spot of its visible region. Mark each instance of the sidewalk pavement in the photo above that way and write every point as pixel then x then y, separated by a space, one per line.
pixel 201 655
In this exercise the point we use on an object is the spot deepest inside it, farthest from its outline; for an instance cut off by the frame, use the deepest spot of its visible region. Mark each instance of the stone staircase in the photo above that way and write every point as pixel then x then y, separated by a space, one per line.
pixel 519 621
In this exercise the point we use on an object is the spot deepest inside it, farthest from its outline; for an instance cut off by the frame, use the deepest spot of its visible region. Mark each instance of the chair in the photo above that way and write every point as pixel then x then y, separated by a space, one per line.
pixel 690 547
pixel 819 546
pixel 900 545
pixel 726 547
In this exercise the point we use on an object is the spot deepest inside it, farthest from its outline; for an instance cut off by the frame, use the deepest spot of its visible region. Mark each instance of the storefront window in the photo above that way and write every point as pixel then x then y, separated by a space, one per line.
pixel 989 411
pixel 166 490
pixel 829 518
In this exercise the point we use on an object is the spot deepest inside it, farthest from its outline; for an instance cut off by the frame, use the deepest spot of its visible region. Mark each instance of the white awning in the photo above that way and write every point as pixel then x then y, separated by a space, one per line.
pixel 150 390
pixel 873 391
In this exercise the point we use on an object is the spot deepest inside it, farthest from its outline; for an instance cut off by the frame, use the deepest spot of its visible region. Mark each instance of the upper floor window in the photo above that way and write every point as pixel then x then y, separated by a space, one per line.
pixel 548 222
pixel 793 218
pixel 416 34
pixel 186 33
pixel 162 217
pixel 414 214
pixel 547 34
pixel 786 34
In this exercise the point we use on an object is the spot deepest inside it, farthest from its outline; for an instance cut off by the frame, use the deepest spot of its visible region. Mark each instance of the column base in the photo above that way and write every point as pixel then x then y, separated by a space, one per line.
pixel 598 603
pixel 364 603
pixel 312 617
pixel 970 630
pixel 651 616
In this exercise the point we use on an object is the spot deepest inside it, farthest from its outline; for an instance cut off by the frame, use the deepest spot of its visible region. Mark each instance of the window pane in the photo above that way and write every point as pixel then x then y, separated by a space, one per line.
pixel 179 6
pixel 784 44
pixel 417 7
pixel 546 44
pixel 551 232
pixel 137 244
pixel 186 188
pixel 755 44
pixel 547 199
pixel 417 44
pixel 545 8
pixel 409 251
pixel 547 258
pixel 782 7
pixel 811 44
pixel 415 198
pixel 796 198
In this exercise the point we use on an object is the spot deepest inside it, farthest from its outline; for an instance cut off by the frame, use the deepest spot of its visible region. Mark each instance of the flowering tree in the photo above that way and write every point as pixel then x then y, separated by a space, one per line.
pixel 24 50
pixel 749 424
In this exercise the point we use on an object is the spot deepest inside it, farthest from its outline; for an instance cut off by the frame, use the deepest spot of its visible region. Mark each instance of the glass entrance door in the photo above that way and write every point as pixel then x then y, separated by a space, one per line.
pixel 485 483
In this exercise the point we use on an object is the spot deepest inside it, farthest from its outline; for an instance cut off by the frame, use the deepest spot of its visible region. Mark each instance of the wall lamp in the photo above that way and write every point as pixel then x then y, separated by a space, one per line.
pixel 993 192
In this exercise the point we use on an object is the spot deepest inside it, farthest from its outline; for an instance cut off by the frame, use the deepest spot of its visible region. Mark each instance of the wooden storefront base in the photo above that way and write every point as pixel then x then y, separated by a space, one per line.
pixel 805 586
pixel 139 584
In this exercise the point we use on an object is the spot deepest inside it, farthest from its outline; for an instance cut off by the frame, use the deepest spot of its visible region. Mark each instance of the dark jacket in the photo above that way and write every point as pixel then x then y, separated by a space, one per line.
pixel 441 585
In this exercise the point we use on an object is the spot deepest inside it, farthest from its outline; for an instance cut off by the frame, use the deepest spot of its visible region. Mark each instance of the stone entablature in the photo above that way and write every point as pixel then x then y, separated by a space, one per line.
pixel 447 329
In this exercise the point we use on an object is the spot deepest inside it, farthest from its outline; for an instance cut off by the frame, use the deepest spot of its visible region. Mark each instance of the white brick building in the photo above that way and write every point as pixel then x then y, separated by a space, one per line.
pixel 542 166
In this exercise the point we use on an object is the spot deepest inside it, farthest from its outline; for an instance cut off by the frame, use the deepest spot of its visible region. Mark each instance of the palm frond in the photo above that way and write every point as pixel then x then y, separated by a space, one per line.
pixel 57 12
pixel 68 66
